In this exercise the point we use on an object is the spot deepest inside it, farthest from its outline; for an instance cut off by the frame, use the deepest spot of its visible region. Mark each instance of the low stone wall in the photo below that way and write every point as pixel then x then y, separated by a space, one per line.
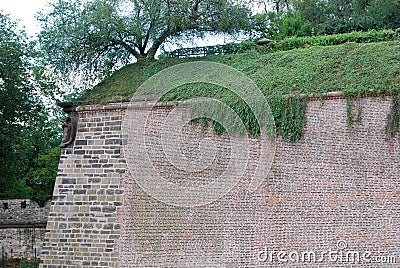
pixel 22 228
pixel 22 242
pixel 22 211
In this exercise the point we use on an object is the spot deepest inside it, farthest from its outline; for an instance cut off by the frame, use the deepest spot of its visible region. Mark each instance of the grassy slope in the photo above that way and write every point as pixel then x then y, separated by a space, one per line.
pixel 350 67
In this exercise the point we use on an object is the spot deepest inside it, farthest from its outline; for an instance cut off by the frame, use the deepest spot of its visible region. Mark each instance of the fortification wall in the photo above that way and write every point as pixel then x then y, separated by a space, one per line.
pixel 22 228
pixel 23 211
pixel 336 190
pixel 22 242
pixel 82 224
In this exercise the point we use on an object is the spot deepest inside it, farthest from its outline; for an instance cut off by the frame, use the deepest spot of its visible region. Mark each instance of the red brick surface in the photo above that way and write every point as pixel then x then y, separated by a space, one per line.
pixel 339 183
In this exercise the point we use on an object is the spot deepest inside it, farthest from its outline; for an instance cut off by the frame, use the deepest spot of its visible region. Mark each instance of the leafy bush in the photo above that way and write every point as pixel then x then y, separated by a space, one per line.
pixel 42 175
pixel 294 25
pixel 28 264
pixel 22 263
pixel 331 40
pixel 280 25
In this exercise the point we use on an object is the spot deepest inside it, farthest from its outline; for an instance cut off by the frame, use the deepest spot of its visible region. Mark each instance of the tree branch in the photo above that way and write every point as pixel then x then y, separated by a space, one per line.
pixel 131 50
pixel 146 39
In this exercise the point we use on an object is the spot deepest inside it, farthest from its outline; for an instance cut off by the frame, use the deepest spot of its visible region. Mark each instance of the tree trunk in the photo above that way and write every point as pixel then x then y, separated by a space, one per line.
pixel 157 43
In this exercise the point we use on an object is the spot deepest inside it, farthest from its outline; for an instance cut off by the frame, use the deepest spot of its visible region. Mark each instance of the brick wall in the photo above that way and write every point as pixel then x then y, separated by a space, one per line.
pixel 338 184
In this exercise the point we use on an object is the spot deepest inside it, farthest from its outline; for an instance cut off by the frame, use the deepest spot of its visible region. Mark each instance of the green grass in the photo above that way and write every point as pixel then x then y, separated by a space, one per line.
pixel 284 77
pixel 351 67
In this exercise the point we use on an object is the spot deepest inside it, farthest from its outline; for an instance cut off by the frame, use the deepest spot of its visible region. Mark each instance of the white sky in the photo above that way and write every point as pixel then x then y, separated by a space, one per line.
pixel 24 11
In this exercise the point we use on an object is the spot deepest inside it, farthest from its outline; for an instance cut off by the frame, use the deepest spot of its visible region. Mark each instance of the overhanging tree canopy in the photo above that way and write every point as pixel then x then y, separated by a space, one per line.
pixel 97 34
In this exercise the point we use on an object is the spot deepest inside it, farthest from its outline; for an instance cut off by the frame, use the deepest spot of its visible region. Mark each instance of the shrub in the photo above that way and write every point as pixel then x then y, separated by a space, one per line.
pixel 331 40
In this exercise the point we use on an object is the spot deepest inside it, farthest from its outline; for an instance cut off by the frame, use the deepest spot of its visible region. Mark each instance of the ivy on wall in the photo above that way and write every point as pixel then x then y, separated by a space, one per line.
pixel 289 115
pixel 289 112
pixel 393 119
pixel 354 109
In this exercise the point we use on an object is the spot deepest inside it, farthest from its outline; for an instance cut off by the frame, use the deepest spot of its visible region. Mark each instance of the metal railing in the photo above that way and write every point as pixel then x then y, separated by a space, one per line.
pixel 231 48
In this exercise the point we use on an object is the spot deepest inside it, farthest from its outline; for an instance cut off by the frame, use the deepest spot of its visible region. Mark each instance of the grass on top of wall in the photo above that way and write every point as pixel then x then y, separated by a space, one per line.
pixel 352 68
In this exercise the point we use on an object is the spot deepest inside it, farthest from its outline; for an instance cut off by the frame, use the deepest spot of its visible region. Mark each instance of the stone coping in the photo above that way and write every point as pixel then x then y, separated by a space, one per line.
pixel 81 107
pixel 23 225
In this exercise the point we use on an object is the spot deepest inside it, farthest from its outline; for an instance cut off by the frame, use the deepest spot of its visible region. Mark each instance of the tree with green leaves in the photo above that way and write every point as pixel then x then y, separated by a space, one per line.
pixel 283 20
pixel 341 16
pixel 26 130
pixel 278 26
pixel 277 5
pixel 97 35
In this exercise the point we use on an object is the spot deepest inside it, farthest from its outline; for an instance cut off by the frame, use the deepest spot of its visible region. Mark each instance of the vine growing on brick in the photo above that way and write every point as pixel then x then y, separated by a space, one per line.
pixel 354 109
pixel 393 119
pixel 289 115
pixel 288 110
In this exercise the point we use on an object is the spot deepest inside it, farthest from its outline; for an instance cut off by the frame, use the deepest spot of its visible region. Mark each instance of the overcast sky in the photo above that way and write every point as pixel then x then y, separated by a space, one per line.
pixel 24 10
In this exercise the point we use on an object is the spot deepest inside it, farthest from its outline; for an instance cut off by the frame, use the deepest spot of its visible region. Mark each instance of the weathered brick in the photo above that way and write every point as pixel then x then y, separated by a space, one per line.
pixel 81 142
pixel 337 183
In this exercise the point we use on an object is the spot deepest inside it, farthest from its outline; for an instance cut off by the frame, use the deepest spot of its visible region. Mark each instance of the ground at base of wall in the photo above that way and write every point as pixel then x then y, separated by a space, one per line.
pixel 19 263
